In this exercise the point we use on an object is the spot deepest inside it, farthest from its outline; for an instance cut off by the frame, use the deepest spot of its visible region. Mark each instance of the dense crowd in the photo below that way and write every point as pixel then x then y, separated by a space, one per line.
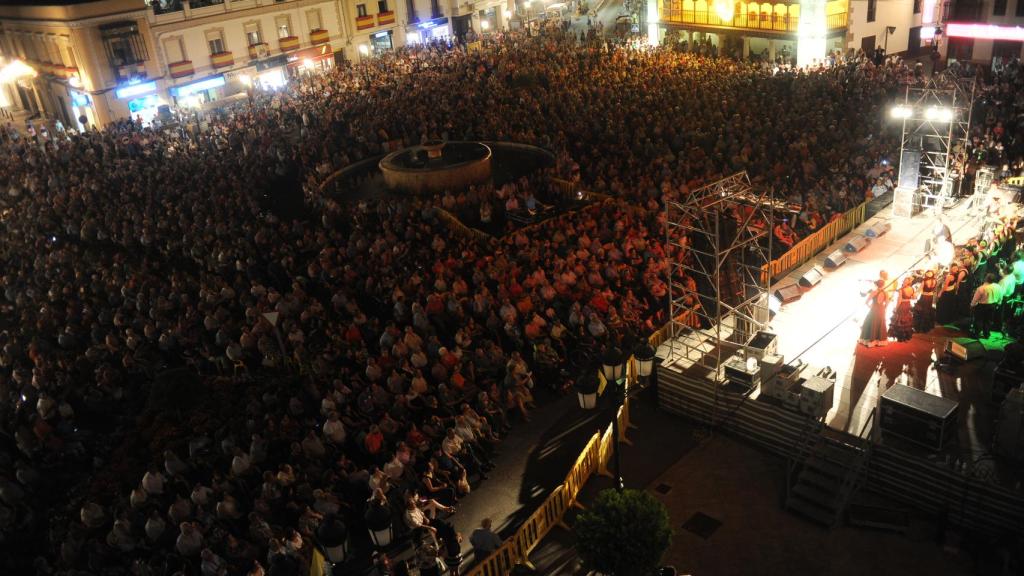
pixel 354 357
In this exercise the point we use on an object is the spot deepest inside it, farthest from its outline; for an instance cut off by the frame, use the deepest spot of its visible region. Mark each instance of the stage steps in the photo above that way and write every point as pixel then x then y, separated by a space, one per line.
pixel 969 498
pixel 823 478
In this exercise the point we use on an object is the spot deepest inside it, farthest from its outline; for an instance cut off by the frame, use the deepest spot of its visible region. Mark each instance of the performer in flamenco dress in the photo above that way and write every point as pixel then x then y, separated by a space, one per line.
pixel 873 332
pixel 901 326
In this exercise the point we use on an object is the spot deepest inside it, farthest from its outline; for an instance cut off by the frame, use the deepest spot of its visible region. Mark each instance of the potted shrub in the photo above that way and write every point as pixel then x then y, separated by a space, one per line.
pixel 623 534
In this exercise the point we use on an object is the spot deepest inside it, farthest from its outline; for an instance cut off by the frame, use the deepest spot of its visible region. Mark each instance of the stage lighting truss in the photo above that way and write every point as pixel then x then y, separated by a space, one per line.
pixel 936 119
pixel 720 237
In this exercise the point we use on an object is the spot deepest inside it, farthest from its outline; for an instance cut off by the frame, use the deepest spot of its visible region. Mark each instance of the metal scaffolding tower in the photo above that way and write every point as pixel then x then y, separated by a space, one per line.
pixel 936 125
pixel 720 240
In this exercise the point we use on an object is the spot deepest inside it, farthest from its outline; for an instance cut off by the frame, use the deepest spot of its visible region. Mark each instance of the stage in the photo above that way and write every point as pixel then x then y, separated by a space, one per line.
pixel 821 329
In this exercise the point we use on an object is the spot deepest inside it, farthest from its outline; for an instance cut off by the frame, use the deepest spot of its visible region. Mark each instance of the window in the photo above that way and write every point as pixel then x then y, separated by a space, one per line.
pixel 1019 13
pixel 999 8
pixel 313 19
pixel 872 6
pixel 284 26
pixel 253 35
pixel 360 10
pixel 917 6
pixel 382 5
pixel 215 40
pixel 174 50
pixel 123 44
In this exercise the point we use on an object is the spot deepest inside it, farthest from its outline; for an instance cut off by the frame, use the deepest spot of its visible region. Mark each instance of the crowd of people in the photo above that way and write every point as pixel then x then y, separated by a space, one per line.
pixel 193 380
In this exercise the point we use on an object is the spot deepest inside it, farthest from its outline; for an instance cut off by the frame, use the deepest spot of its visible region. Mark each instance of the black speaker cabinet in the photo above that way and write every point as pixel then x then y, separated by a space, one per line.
pixel 919 417
pixel 788 293
pixel 812 277
pixel 910 168
pixel 835 259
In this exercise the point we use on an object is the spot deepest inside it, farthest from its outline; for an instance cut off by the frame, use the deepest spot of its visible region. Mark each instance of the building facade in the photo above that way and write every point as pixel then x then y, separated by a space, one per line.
pixel 210 52
pixel 87 58
pixel 985 31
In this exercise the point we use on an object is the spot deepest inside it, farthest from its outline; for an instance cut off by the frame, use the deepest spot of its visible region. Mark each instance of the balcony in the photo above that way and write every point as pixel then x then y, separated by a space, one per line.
pixel 288 43
pixel 222 60
pixel 319 37
pixel 385 18
pixel 778 17
pixel 258 50
pixel 181 69
pixel 364 22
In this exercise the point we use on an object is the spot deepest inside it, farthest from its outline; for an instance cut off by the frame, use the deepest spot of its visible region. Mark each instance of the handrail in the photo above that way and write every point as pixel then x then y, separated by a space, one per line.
pixel 853 476
pixel 812 430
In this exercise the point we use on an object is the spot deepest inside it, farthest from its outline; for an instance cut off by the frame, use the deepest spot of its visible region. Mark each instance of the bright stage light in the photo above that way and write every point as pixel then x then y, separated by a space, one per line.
pixel 937 114
pixel 723 8
pixel 901 112
pixel 17 70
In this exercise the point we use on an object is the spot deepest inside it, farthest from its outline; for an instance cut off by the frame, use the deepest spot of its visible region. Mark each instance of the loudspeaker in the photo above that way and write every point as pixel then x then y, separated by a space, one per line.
pixel 835 259
pixel 788 293
pixel 910 168
pixel 812 277
pixel 965 351
pixel 905 202
pixel 856 244
pixel 878 229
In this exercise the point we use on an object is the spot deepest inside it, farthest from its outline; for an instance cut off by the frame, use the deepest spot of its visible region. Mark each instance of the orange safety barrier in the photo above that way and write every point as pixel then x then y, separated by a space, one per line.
pixel 593 459
pixel 807 248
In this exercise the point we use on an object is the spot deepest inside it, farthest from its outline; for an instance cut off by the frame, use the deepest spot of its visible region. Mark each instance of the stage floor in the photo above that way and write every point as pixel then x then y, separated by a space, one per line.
pixel 823 326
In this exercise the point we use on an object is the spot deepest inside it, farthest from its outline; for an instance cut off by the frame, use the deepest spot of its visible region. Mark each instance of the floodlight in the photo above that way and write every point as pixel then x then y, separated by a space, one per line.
pixel 901 112
pixel 938 114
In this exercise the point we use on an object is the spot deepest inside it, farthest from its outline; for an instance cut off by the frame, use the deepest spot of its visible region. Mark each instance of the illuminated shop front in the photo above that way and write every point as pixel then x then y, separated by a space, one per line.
pixel 141 99
pixel 195 94
pixel 316 59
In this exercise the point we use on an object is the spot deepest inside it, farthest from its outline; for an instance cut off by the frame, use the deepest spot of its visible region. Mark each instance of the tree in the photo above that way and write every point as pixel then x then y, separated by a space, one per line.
pixel 623 533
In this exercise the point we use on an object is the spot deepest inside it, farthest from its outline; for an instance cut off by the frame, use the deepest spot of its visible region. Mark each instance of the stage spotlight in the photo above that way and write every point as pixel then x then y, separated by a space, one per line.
pixel 878 229
pixel 901 112
pixel 788 293
pixel 856 244
pixel 938 114
pixel 835 259
pixel 812 277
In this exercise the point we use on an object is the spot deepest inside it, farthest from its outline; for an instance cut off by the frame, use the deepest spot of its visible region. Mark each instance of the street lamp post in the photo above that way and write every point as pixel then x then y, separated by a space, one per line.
pixel 613 368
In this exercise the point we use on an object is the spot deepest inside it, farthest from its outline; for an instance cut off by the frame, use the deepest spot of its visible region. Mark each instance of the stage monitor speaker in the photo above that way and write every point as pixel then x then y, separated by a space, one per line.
pixel 788 293
pixel 965 351
pixel 910 168
pixel 878 229
pixel 905 202
pixel 812 277
pixel 835 259
pixel 856 244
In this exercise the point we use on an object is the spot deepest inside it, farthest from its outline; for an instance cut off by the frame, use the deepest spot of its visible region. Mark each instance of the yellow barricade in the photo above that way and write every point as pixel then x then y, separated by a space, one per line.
pixel 807 248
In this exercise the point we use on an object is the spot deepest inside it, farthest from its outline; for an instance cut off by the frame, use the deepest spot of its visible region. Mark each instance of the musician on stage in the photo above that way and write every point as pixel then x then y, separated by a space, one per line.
pixel 986 298
pixel 901 326
pixel 945 306
pixel 873 332
pixel 924 309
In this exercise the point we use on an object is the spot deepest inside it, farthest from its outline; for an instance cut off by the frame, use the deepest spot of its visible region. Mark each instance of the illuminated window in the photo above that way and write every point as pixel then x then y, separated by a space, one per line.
pixel 284 26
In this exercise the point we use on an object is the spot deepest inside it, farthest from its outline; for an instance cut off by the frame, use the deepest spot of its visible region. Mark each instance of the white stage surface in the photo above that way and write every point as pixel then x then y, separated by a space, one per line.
pixel 822 329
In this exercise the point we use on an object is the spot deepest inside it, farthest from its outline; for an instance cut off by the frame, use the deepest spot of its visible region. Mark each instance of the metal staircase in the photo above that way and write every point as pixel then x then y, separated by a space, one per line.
pixel 824 472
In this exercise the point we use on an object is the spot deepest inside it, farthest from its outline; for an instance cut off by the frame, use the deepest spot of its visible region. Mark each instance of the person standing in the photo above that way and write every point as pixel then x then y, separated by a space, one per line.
pixel 484 540
pixel 924 309
pixel 901 326
pixel 873 332
pixel 945 307
pixel 986 297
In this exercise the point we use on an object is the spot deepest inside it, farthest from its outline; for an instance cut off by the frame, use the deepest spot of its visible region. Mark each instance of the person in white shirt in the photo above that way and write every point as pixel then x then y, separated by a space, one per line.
pixel 986 298
pixel 334 429
pixel 155 526
pixel 190 541
pixel 153 481
pixel 240 463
